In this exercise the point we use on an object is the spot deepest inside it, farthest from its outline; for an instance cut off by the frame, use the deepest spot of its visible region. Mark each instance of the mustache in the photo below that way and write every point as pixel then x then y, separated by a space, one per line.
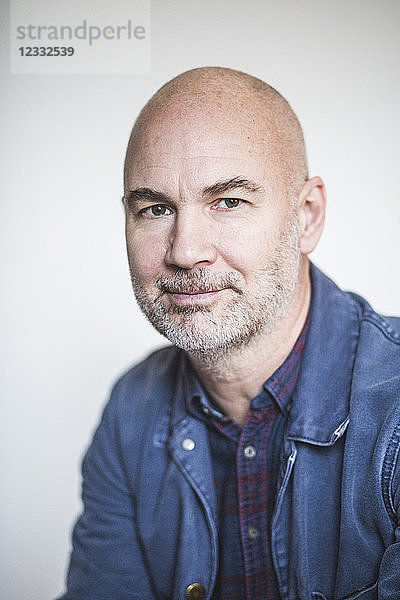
pixel 183 282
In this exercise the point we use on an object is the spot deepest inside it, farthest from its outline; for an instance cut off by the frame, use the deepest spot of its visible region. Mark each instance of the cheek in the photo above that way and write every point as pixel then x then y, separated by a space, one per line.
pixel 146 254
pixel 246 249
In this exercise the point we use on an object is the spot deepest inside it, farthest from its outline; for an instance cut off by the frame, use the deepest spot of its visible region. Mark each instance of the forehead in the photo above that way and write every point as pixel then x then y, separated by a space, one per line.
pixel 198 148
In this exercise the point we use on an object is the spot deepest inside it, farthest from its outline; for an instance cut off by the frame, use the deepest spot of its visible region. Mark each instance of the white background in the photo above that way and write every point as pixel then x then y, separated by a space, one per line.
pixel 70 325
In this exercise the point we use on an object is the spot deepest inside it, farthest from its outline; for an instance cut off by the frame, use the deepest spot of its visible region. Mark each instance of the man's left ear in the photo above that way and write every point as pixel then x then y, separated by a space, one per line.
pixel 312 203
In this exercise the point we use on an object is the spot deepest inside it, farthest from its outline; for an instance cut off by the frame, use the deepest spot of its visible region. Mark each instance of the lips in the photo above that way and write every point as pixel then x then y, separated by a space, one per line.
pixel 192 292
pixel 199 284
pixel 193 297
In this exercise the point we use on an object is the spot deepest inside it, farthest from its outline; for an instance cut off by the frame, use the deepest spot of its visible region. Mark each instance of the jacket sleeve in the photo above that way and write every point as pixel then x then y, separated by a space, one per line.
pixel 107 560
pixel 389 572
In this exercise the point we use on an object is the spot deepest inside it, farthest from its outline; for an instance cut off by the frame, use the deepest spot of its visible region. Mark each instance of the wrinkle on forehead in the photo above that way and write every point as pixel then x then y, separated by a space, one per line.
pixel 140 168
pixel 202 109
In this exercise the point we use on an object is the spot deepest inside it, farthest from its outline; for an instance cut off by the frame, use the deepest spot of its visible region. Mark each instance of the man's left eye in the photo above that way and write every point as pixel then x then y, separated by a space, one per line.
pixel 229 203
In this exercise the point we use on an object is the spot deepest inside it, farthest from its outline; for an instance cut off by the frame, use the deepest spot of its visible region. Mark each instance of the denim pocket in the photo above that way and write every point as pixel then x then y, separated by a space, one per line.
pixel 370 592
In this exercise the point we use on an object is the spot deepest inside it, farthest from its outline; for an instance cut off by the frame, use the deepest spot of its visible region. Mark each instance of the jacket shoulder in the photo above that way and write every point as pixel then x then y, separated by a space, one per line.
pixel 389 326
pixel 138 394
pixel 157 368
pixel 377 363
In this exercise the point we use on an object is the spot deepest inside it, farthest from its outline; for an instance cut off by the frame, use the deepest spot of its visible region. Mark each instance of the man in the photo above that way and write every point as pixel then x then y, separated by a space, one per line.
pixel 257 457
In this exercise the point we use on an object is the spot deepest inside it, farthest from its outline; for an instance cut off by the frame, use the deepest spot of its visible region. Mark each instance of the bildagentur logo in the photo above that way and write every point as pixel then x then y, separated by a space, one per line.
pixel 80 36
pixel 85 30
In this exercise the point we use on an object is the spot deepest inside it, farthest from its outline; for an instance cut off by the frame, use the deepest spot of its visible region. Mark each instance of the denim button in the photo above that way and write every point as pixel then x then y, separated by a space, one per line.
pixel 195 591
pixel 188 444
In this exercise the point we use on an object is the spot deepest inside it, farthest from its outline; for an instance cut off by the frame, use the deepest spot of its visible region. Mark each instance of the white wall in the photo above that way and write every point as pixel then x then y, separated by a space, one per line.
pixel 70 325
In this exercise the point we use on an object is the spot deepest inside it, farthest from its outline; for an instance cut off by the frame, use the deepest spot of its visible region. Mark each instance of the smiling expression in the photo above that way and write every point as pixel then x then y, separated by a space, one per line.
pixel 212 235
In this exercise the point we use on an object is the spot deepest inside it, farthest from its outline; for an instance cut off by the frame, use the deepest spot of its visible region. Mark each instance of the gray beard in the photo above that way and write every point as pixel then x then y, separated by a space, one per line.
pixel 209 333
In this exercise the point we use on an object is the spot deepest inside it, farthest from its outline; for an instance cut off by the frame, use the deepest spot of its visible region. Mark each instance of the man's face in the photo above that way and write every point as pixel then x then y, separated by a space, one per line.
pixel 212 239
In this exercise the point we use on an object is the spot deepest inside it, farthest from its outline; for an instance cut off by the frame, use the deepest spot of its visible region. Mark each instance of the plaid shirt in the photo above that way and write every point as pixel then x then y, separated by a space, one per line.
pixel 246 466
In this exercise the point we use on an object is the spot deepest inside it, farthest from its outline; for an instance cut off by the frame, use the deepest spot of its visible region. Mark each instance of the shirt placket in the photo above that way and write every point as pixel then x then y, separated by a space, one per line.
pixel 254 483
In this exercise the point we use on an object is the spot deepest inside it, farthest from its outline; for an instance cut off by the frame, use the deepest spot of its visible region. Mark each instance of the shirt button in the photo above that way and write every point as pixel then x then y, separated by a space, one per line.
pixel 206 410
pixel 250 452
pixel 188 444
pixel 195 591
pixel 253 533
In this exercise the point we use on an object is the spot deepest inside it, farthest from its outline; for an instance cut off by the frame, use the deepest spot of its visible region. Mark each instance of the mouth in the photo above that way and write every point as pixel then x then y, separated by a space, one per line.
pixel 184 297
pixel 199 289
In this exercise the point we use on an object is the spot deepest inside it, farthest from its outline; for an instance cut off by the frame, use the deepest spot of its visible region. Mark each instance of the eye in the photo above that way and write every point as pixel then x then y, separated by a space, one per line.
pixel 227 203
pixel 156 210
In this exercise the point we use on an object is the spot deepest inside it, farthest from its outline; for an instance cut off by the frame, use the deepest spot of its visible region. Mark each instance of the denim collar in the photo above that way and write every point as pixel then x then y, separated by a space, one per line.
pixel 320 410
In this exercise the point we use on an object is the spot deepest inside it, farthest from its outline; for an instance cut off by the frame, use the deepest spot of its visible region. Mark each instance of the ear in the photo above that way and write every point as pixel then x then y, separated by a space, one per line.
pixel 312 204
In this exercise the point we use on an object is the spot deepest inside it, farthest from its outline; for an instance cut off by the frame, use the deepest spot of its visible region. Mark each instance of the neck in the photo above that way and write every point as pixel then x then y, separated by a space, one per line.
pixel 237 376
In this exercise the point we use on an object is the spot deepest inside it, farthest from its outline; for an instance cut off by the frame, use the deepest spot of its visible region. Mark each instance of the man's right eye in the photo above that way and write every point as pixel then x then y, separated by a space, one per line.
pixel 156 210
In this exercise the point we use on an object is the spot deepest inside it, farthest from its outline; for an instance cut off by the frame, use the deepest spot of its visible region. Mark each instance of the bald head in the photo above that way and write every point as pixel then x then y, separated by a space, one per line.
pixel 216 100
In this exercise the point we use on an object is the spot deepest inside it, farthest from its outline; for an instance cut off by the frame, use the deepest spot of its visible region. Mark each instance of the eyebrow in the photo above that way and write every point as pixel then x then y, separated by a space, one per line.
pixel 145 193
pixel 220 187
pixel 226 185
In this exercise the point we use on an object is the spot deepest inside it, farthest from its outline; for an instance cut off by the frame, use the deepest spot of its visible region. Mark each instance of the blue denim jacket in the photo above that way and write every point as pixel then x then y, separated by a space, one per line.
pixel 148 530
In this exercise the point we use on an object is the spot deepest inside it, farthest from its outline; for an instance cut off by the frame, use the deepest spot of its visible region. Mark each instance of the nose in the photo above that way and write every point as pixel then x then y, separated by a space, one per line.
pixel 191 243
